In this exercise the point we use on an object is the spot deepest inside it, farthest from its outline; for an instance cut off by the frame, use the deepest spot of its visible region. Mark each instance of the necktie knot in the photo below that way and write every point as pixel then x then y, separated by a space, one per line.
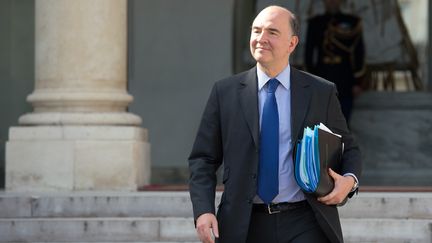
pixel 272 85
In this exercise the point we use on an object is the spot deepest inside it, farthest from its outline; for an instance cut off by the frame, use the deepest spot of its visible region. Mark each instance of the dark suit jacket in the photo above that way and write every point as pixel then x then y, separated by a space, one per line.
pixel 229 133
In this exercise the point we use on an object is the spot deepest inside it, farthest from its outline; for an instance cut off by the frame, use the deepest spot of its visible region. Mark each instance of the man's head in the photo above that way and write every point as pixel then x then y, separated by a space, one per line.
pixel 274 37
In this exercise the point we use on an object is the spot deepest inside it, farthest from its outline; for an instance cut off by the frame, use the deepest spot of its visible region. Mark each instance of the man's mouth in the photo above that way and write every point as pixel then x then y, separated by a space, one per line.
pixel 262 48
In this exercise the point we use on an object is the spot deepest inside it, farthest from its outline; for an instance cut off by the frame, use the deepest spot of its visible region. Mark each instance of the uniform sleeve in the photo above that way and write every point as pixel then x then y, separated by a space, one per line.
pixel 359 65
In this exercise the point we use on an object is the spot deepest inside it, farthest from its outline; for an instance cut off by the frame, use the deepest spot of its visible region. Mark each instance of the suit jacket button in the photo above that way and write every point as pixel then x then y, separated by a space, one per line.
pixel 254 176
pixel 250 201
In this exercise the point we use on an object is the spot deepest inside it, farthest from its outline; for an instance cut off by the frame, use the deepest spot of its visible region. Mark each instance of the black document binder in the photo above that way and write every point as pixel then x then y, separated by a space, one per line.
pixel 327 153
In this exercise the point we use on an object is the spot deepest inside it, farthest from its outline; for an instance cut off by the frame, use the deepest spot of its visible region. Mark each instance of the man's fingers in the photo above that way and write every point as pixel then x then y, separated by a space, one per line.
pixel 340 191
pixel 327 197
pixel 333 174
pixel 206 225
pixel 204 234
pixel 215 228
pixel 330 199
pixel 209 238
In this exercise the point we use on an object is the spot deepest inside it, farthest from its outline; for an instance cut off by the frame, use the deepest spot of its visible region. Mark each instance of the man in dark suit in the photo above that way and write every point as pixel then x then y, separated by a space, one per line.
pixel 250 124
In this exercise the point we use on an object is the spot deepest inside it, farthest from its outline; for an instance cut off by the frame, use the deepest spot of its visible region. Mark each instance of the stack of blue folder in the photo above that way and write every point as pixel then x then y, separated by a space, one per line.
pixel 318 150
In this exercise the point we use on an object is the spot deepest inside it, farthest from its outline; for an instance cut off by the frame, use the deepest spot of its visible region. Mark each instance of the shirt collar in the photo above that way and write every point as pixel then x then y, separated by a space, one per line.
pixel 283 77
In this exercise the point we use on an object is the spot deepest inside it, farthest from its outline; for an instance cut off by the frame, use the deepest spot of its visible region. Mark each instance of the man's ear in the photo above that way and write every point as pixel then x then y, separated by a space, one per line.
pixel 293 43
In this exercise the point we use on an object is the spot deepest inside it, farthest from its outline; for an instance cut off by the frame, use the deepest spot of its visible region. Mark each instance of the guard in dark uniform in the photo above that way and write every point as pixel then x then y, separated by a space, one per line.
pixel 335 51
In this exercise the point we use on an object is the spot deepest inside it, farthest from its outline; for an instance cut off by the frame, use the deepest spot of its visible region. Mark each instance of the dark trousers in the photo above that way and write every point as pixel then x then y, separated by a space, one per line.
pixel 293 226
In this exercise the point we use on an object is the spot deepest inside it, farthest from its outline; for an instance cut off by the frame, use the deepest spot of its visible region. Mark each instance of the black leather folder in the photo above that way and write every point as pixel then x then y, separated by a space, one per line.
pixel 330 150
pixel 330 153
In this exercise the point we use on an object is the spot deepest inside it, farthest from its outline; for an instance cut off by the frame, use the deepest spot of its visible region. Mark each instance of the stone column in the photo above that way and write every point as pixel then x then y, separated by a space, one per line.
pixel 429 58
pixel 80 135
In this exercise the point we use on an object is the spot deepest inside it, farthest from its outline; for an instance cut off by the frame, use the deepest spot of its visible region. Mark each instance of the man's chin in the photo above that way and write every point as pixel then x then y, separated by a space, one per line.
pixel 261 58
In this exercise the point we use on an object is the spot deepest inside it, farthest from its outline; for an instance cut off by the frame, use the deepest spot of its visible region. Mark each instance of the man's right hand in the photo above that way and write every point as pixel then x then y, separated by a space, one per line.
pixel 206 224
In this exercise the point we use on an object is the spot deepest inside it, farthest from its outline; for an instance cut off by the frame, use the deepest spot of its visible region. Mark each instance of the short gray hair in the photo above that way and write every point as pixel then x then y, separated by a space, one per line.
pixel 295 24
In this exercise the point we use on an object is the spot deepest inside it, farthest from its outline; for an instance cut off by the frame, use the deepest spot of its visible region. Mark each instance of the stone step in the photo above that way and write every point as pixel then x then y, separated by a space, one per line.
pixel 96 204
pixel 390 205
pixel 97 230
pixel 387 230
pixel 177 204
pixel 182 230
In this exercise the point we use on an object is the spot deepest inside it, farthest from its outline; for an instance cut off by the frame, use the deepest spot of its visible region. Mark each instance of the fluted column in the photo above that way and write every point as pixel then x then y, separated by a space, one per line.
pixel 81 53
pixel 429 59
pixel 79 135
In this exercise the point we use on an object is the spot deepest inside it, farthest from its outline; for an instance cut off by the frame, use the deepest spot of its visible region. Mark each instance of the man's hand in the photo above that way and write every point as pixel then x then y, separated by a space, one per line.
pixel 343 186
pixel 207 224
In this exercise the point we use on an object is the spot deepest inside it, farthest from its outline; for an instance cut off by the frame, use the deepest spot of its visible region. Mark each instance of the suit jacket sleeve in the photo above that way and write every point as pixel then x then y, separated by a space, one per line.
pixel 205 158
pixel 351 158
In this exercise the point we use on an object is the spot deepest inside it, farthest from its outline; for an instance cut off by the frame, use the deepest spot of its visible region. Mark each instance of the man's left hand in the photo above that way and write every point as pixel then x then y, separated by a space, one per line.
pixel 343 186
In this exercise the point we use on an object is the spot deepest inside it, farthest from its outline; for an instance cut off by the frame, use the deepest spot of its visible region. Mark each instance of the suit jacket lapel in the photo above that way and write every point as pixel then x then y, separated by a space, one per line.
pixel 248 93
pixel 300 98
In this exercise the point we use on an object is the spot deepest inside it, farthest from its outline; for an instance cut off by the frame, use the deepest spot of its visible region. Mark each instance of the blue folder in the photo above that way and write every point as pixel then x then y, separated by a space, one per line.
pixel 318 150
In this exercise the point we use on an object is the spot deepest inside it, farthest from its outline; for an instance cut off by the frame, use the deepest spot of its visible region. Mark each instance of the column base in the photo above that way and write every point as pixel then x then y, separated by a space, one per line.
pixel 50 158
pixel 80 118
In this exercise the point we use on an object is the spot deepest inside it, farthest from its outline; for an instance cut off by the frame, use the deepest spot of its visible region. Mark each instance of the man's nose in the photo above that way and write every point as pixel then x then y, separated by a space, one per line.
pixel 261 37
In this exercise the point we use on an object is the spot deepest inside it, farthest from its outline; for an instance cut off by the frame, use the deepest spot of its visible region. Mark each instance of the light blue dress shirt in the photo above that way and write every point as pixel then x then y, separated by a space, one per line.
pixel 289 191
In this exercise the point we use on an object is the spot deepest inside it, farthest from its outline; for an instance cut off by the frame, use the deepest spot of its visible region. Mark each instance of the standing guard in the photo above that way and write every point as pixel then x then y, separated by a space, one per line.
pixel 335 51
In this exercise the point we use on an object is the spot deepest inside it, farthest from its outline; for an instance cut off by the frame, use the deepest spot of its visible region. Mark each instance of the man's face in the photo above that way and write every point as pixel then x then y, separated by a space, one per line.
pixel 272 39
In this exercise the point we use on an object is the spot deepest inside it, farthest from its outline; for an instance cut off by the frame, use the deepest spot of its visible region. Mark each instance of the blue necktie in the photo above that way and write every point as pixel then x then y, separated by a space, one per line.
pixel 268 174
